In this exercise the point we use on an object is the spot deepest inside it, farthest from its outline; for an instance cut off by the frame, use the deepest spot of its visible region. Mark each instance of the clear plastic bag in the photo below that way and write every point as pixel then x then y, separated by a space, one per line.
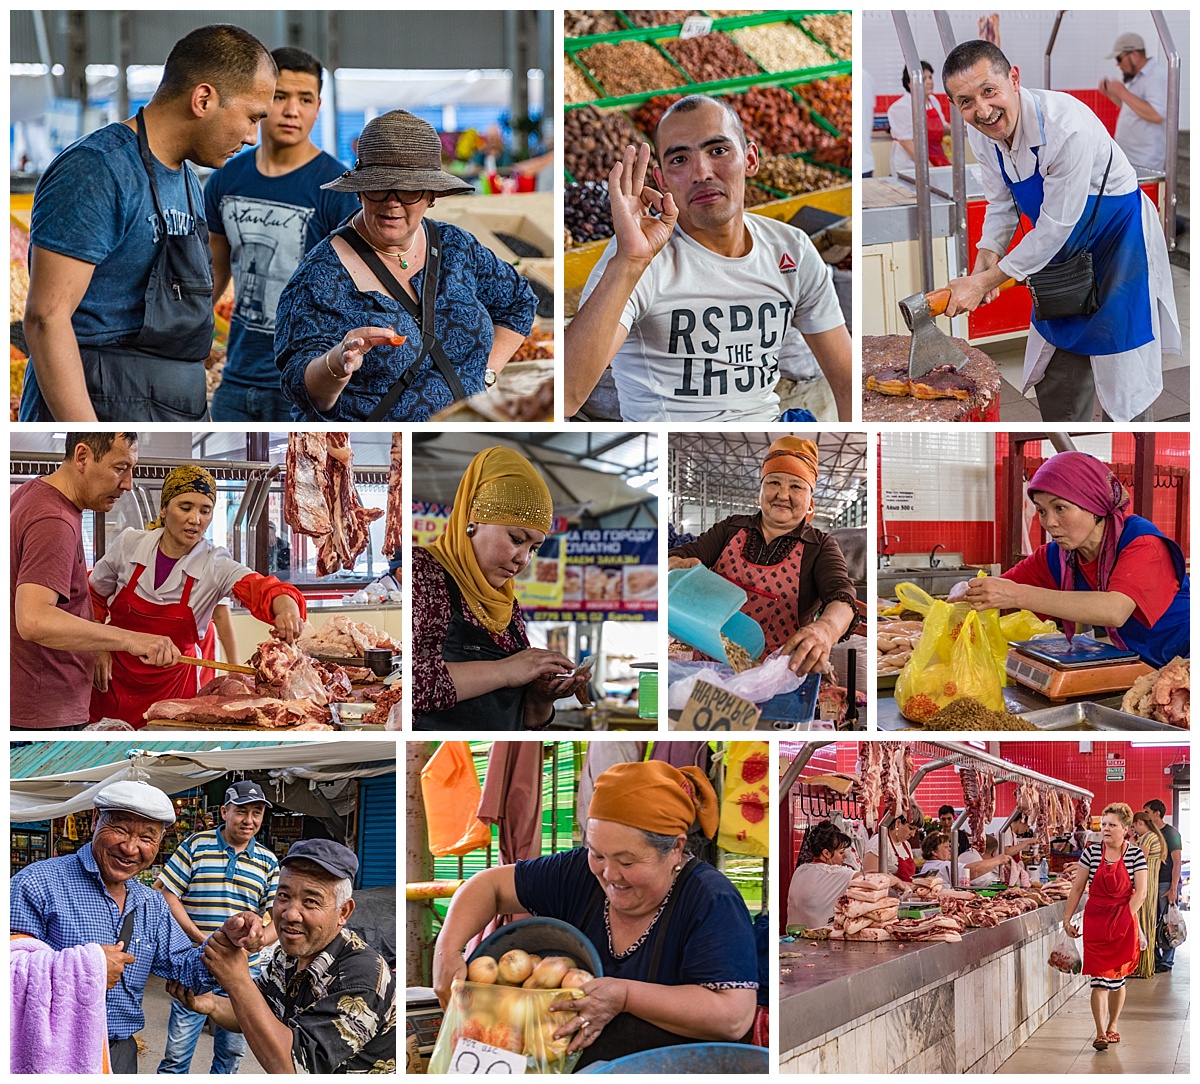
pixel 510 1018
pixel 1065 956
pixel 1175 927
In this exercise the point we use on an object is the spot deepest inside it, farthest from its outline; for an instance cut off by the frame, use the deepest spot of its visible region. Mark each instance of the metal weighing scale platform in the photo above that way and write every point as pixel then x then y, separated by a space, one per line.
pixel 1082 668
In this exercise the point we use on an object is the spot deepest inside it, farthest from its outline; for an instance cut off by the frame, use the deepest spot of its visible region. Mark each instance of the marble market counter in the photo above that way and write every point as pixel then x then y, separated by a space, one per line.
pixel 942 1007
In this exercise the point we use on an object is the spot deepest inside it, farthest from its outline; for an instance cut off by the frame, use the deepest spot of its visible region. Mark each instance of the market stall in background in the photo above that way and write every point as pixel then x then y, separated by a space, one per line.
pixel 956 974
pixel 72 72
pixel 786 73
pixel 953 508
pixel 922 219
pixel 475 806
pixel 320 512
pixel 710 478
pixel 591 591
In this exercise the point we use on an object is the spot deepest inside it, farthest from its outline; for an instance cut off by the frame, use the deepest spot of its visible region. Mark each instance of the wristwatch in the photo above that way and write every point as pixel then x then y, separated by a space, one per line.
pixel 489 378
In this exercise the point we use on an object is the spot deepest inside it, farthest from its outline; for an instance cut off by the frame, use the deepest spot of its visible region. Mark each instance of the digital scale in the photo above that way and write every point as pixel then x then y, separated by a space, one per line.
pixel 423 1018
pixel 1082 668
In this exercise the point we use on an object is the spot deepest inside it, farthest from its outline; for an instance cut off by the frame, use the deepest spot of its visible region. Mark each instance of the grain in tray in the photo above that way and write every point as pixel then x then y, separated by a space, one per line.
pixel 834 30
pixel 781 47
pixel 576 88
pixel 629 67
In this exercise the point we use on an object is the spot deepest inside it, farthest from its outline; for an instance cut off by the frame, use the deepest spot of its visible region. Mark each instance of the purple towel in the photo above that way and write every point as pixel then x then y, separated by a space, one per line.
pixel 59 1022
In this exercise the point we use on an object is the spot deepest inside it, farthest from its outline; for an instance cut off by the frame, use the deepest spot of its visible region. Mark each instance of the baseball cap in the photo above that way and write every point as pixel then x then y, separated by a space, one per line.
pixel 330 856
pixel 134 796
pixel 244 793
pixel 1127 43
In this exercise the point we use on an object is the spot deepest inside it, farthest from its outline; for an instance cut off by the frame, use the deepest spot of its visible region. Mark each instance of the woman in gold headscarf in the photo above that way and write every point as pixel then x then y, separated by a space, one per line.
pixel 674 937
pixel 474 667
pixel 167 580
pixel 790 571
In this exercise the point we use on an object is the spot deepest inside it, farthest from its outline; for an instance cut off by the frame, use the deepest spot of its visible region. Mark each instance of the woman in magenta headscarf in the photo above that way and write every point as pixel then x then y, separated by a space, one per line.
pixel 1102 567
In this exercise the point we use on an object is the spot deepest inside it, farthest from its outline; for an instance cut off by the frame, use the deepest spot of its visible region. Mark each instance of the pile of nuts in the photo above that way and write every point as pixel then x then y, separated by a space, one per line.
pixel 833 30
pixel 576 88
pixel 630 67
pixel 711 57
pixel 831 98
pixel 795 176
pixel 756 197
pixel 777 122
pixel 657 18
pixel 582 24
pixel 595 141
pixel 586 212
pixel 781 47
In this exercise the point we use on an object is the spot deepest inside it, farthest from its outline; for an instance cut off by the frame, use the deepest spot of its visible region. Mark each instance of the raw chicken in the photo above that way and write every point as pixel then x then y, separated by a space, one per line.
pixel 1164 695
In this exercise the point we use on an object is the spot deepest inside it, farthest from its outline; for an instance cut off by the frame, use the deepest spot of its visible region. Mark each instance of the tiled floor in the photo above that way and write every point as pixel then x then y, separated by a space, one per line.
pixel 1154 1027
pixel 1171 406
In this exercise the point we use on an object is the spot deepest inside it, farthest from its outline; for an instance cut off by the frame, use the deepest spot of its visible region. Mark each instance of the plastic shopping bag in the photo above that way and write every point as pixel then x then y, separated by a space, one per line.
pixel 450 790
pixel 1064 956
pixel 1176 929
pixel 505 1018
pixel 948 663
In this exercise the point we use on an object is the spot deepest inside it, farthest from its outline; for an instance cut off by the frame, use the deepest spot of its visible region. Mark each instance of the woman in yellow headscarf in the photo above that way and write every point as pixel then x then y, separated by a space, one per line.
pixel 474 667
pixel 167 580
pixel 788 569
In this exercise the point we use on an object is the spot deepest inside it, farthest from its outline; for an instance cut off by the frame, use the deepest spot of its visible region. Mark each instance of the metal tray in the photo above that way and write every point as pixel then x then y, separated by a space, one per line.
pixel 1088 715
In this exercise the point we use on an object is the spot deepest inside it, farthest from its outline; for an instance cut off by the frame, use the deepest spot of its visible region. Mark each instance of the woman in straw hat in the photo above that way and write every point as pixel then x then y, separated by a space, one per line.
pixel 475 669
pixel 358 334
pixel 673 935
pixel 789 570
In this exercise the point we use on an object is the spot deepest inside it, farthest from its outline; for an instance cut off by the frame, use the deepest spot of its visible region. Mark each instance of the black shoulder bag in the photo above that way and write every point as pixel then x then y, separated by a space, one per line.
pixel 1068 288
pixel 423 315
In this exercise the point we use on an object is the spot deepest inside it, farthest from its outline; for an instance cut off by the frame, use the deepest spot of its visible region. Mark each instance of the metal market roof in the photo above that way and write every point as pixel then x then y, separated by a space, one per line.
pixel 58 757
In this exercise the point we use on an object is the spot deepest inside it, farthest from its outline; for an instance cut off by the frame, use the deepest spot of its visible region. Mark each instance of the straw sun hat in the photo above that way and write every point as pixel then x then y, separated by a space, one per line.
pixel 399 150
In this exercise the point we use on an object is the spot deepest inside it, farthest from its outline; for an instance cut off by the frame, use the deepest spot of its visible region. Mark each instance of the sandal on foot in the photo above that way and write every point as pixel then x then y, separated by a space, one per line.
pixel 1100 1044
pixel 1112 1037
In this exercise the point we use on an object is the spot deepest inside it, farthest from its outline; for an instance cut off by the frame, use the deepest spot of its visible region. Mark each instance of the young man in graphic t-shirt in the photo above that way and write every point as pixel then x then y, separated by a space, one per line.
pixel 693 319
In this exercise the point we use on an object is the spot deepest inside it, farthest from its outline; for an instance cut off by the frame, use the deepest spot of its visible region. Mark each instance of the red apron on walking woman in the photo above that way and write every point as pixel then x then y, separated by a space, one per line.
pixel 1110 935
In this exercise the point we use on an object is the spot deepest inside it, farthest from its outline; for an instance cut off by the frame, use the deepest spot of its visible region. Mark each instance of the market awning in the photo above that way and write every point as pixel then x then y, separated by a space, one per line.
pixel 174 770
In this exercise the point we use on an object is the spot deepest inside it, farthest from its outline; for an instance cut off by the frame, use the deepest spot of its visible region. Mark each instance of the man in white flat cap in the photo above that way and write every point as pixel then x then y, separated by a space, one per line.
pixel 93 897
pixel 1141 92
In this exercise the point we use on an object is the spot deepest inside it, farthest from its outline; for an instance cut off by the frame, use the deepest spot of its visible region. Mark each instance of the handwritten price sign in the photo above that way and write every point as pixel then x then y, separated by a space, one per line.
pixel 473 1058
pixel 711 708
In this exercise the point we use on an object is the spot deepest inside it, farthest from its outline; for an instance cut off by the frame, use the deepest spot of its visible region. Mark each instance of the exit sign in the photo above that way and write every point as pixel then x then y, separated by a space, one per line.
pixel 1114 775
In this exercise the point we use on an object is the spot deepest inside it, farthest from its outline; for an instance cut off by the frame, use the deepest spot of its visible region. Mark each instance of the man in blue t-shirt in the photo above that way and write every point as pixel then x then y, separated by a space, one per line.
pixel 265 210
pixel 107 340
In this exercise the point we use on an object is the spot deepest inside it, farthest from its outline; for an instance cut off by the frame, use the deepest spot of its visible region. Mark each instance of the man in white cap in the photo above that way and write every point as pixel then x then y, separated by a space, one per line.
pixel 210 877
pixel 327 1002
pixel 1141 92
pixel 94 897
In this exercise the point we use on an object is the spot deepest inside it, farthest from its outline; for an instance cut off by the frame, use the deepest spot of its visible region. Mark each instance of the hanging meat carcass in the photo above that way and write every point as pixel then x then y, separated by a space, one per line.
pixel 988 794
pixel 1043 815
pixel 870 783
pixel 1083 811
pixel 973 799
pixel 1026 799
pixel 393 533
pixel 896 792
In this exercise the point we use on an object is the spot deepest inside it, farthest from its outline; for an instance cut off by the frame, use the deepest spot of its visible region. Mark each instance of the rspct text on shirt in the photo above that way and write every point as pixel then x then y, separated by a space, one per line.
pixel 771 322
pixel 713 378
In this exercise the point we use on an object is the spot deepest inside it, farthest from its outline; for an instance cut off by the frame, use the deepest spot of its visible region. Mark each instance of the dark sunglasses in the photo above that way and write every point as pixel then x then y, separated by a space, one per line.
pixel 383 195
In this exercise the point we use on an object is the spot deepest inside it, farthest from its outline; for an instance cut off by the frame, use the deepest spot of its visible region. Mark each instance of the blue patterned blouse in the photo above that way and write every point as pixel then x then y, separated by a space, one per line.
pixel 321 303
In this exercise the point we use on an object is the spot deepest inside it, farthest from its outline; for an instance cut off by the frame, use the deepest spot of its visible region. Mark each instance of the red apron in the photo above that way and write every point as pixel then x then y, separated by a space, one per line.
pixel 134 686
pixel 906 865
pixel 774 590
pixel 935 129
pixel 1110 935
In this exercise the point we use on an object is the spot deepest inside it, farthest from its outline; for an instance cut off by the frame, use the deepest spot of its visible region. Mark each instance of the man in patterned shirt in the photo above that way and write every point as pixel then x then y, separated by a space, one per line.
pixel 94 897
pixel 211 876
pixel 327 1002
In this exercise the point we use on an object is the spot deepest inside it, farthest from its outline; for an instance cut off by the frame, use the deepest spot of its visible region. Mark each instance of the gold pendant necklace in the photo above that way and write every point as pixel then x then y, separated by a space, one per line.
pixel 395 255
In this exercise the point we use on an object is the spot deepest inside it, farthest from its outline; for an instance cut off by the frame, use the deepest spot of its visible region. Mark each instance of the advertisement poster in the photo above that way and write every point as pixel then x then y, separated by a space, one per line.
pixel 610 575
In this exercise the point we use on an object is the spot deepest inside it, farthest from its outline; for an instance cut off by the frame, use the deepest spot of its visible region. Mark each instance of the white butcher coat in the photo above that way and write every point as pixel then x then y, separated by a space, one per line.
pixel 1073 157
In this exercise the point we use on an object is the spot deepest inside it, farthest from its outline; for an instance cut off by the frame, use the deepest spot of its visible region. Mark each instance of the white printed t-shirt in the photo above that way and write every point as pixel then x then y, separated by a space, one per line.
pixel 705 330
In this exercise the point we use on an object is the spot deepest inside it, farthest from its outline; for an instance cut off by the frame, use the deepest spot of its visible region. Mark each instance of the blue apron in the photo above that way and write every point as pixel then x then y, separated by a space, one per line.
pixel 1170 635
pixel 1122 272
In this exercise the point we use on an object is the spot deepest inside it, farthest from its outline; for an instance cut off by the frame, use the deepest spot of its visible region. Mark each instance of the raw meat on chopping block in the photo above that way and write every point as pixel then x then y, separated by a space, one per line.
pixel 889 395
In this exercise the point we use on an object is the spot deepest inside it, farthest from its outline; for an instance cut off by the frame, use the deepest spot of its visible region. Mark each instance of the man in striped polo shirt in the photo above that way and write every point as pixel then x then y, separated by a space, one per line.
pixel 211 876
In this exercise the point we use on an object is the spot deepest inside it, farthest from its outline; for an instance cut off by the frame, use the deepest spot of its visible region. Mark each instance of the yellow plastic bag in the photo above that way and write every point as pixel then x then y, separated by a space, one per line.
pixel 745 823
pixel 954 614
pixel 1026 625
pixel 508 1018
pixel 450 790
pixel 950 661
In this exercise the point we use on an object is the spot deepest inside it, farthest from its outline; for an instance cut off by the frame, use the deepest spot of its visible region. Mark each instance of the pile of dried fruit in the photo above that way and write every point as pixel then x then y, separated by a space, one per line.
pixel 711 57
pixel 832 99
pixel 795 176
pixel 657 18
pixel 834 30
pixel 628 67
pixel 595 141
pixel 586 212
pixel 777 122
pixel 582 24
pixel 576 88
pixel 781 47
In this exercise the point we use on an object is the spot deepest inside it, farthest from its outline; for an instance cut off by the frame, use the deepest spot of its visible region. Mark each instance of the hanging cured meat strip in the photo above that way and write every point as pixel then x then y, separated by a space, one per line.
pixel 393 534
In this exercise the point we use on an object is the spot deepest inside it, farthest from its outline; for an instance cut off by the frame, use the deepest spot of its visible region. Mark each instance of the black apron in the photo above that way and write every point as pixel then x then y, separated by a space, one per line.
pixel 501 709
pixel 626 1033
pixel 156 374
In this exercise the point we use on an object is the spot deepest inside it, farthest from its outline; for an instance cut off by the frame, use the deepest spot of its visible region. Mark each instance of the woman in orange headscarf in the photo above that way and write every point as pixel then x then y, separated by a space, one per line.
pixel 474 667
pixel 674 937
pixel 789 569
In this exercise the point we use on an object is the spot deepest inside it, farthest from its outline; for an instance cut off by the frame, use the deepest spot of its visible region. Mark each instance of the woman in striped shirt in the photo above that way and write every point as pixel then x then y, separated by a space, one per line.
pixel 1115 873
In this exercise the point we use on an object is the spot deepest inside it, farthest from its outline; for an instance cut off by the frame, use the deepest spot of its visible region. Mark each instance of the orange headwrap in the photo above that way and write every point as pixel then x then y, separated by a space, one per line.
pixel 792 455
pixel 656 797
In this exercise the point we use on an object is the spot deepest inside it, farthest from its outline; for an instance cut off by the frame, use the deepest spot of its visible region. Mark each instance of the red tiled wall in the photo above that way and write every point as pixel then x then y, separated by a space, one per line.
pixel 1100 105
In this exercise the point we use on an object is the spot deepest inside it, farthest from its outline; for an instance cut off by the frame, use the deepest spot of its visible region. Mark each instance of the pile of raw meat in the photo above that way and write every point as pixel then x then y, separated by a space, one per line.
pixel 340 636
pixel 1049 813
pixel 393 532
pixel 884 772
pixel 289 690
pixel 319 499
pixel 866 910
pixel 1164 695
pixel 982 911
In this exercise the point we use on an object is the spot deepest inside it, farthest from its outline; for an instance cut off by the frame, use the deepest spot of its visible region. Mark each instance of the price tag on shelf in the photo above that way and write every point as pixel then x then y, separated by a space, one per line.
pixel 695 26
pixel 712 708
pixel 473 1058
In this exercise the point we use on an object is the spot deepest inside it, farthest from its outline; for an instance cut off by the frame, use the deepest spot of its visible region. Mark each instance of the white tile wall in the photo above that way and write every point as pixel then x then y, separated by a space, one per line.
pixel 1084 40
pixel 946 475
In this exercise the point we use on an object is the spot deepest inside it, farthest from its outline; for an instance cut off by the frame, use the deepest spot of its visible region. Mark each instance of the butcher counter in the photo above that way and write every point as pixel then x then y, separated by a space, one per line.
pixel 385 616
pixel 940 1007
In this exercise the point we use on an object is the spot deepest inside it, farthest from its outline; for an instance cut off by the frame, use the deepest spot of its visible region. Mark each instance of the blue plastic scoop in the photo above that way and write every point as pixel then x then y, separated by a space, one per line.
pixel 703 606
